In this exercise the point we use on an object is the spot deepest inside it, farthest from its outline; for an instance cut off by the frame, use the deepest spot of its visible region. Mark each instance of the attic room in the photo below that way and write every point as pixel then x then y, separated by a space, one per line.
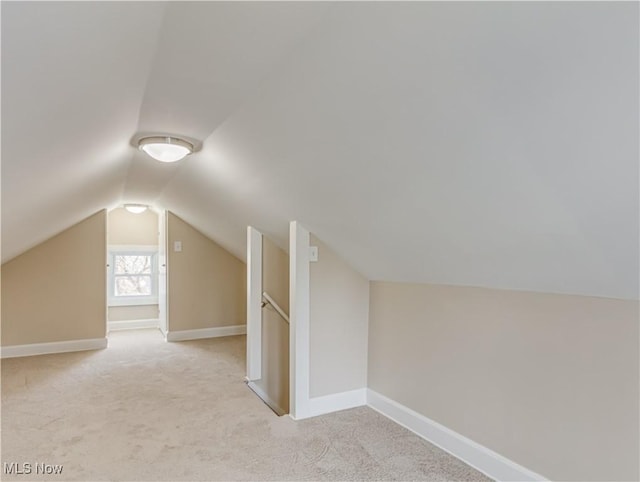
pixel 374 241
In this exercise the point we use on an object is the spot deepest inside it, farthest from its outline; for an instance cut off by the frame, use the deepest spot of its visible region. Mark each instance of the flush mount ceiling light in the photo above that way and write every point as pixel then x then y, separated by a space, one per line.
pixel 165 148
pixel 135 208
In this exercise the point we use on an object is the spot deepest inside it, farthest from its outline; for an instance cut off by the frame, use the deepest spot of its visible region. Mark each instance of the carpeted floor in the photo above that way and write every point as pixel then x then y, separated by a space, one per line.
pixel 144 409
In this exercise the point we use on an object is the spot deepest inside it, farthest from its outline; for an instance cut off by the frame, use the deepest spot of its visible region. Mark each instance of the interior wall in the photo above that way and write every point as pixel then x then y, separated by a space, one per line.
pixel 549 381
pixel 338 324
pixel 130 229
pixel 56 291
pixel 132 313
pixel 275 330
pixel 206 283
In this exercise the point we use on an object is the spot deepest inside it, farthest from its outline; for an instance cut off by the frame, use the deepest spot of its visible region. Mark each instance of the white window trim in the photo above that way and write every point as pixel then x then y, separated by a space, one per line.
pixel 132 300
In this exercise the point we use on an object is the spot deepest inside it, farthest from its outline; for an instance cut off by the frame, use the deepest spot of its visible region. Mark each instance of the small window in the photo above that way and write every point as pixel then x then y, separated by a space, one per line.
pixel 133 277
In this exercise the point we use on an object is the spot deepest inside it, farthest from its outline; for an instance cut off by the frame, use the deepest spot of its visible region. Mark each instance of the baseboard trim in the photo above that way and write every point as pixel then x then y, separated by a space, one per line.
pixel 206 333
pixel 132 325
pixel 334 402
pixel 14 351
pixel 266 399
pixel 471 453
pixel 337 401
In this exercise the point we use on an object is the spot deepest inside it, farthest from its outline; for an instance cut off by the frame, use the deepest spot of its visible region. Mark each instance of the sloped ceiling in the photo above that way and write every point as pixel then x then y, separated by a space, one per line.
pixel 487 144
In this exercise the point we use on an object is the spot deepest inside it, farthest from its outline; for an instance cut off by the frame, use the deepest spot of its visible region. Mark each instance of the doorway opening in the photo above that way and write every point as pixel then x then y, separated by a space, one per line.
pixel 136 270
pixel 268 330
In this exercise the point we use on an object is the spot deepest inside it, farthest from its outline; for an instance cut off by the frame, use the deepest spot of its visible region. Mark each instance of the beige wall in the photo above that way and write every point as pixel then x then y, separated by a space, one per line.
pixel 206 284
pixel 275 331
pixel 338 324
pixel 132 229
pixel 56 291
pixel 132 313
pixel 549 381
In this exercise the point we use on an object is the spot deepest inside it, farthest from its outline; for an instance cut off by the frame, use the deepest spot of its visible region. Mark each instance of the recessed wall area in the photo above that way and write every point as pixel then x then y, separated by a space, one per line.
pixel 125 228
pixel 130 234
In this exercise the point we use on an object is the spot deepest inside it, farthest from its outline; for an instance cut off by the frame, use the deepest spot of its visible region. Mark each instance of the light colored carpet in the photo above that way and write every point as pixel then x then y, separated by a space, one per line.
pixel 148 410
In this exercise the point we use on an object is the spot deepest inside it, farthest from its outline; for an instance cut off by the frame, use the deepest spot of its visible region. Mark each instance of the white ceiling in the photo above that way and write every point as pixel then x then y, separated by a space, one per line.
pixel 487 144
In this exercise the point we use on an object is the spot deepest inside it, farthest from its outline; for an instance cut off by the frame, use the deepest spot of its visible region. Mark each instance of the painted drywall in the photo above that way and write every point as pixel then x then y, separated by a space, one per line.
pixel 549 381
pixel 338 324
pixel 206 284
pixel 443 144
pixel 132 313
pixel 275 330
pixel 130 229
pixel 492 120
pixel 56 291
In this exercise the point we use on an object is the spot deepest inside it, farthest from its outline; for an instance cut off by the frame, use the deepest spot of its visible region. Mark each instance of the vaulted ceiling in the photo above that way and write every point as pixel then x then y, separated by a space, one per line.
pixel 487 144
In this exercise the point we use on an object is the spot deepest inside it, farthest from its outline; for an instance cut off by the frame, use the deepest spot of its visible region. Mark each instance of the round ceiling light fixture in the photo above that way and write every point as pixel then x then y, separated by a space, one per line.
pixel 136 208
pixel 165 148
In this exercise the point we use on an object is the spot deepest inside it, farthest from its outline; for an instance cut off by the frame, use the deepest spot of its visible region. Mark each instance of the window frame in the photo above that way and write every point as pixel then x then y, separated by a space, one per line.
pixel 122 250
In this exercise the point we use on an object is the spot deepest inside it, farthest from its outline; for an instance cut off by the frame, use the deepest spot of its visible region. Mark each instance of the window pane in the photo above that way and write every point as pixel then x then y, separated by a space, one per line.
pixel 133 286
pixel 132 264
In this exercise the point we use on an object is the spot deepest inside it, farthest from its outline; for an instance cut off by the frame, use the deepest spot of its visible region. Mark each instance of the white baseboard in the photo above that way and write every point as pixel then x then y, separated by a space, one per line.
pixel 265 398
pixel 132 324
pixel 13 351
pixel 312 407
pixel 206 333
pixel 471 453
pixel 337 401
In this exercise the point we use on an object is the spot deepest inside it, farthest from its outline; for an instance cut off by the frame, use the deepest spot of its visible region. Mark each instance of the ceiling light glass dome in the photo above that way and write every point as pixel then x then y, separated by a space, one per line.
pixel 136 208
pixel 165 148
